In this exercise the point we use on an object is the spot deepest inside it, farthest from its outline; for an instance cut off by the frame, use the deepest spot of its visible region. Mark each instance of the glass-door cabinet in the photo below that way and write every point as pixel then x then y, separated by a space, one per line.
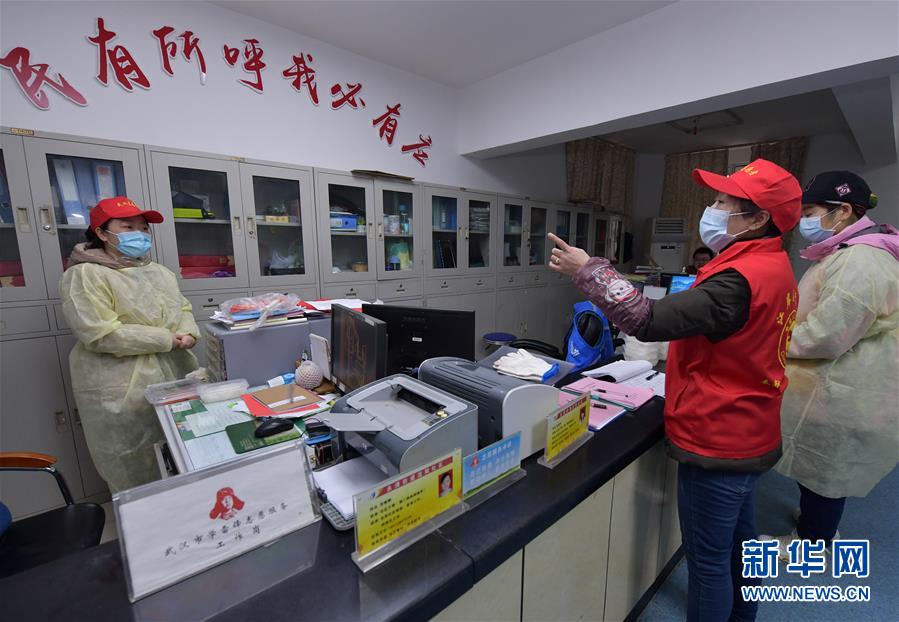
pixel 21 273
pixel 444 238
pixel 609 237
pixel 346 232
pixel 537 226
pixel 513 243
pixel 279 225
pixel 397 215
pixel 480 218
pixel 67 179
pixel 582 238
pixel 205 234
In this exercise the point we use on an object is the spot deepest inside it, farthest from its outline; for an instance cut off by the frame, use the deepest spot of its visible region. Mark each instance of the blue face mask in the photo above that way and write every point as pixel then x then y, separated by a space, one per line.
pixel 713 228
pixel 134 244
pixel 810 228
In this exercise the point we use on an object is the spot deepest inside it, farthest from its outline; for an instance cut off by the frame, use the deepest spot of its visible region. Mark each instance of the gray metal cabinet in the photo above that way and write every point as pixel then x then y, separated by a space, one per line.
pixel 67 179
pixel 35 418
pixel 345 213
pixel 279 215
pixel 461 239
pixel 21 271
pixel 94 485
pixel 203 243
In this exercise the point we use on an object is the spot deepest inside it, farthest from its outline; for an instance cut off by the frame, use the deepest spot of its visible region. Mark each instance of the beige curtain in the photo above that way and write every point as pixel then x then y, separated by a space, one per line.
pixel 682 197
pixel 789 154
pixel 601 173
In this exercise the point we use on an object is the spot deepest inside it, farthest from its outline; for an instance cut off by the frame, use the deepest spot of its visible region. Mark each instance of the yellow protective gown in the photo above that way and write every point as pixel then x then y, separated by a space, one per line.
pixel 840 412
pixel 124 319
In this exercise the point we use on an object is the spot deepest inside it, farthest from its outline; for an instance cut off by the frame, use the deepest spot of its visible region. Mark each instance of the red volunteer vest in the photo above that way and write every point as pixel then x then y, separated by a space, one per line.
pixel 723 399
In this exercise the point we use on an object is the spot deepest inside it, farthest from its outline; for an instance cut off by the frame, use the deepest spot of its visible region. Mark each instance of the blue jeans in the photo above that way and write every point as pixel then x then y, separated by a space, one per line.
pixel 716 516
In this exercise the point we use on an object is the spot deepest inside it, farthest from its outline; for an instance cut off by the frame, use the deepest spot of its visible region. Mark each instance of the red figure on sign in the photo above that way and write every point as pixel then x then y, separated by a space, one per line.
pixel 190 46
pixel 388 123
pixel 126 70
pixel 252 63
pixel 418 149
pixel 303 73
pixel 226 504
pixel 346 98
pixel 32 78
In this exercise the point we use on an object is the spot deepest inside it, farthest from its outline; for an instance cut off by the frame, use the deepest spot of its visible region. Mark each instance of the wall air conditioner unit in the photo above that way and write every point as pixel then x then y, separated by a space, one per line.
pixel 667 241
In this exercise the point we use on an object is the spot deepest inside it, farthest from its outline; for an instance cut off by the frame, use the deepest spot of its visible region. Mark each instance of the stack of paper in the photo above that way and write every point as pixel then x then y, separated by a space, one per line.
pixel 632 373
pixel 325 305
pixel 343 481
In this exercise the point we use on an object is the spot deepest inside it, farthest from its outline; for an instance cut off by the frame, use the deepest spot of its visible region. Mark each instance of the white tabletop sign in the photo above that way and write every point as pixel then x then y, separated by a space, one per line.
pixel 180 526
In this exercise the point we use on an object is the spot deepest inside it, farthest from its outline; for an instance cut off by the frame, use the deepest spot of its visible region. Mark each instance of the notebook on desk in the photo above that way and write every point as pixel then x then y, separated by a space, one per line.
pixel 632 373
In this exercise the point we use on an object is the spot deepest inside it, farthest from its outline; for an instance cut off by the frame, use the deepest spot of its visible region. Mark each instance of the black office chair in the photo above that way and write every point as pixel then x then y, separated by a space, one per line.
pixel 45 537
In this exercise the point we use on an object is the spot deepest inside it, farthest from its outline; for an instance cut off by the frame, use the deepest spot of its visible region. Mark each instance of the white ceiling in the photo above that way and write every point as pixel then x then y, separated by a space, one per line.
pixel 809 114
pixel 456 43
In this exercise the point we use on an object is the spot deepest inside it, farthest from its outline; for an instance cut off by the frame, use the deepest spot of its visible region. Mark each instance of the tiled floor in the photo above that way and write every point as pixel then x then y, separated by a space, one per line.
pixel 875 518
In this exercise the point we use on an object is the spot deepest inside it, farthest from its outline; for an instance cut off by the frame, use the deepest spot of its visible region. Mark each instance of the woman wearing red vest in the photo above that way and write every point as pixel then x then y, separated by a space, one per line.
pixel 725 373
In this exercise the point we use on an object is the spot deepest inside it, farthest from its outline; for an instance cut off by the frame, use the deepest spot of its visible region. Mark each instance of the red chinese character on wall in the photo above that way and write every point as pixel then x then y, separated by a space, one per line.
pixel 346 98
pixel 190 45
pixel 126 70
pixel 302 73
pixel 418 149
pixel 388 123
pixel 32 78
pixel 252 54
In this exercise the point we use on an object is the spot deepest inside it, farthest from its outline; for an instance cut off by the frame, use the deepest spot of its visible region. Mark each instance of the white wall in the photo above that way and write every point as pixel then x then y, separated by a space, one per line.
pixel 226 117
pixel 716 54
pixel 649 176
pixel 839 152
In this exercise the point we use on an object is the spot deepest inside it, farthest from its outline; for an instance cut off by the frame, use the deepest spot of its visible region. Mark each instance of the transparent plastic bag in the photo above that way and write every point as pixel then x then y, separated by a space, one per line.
pixel 259 307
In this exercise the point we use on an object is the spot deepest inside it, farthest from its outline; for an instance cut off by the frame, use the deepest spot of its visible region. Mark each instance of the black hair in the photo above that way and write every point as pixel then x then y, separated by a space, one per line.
pixel 93 240
pixel 704 250
pixel 748 206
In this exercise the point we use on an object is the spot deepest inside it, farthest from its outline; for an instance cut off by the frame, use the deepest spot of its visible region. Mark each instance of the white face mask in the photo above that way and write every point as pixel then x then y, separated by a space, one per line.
pixel 713 227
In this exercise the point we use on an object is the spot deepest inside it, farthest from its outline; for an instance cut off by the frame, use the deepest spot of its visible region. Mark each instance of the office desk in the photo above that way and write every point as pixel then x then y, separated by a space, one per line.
pixel 452 571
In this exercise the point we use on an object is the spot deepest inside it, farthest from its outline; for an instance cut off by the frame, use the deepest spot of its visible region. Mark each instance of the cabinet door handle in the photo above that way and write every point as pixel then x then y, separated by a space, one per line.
pixel 444 285
pixel 60 417
pixel 237 224
pixel 369 228
pixel 401 288
pixel 251 226
pixel 47 223
pixel 479 282
pixel 466 232
pixel 24 220
pixel 380 230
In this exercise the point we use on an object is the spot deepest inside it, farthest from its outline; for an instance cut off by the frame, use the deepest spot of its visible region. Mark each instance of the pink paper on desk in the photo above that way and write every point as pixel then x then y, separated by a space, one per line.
pixel 631 397
pixel 599 417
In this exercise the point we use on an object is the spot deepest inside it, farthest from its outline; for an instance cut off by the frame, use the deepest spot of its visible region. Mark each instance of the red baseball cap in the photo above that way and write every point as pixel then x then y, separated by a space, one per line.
pixel 764 183
pixel 120 207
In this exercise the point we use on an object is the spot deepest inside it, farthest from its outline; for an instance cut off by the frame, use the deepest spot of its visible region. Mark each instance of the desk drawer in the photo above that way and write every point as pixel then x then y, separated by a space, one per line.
pixel 365 291
pixel 536 278
pixel 435 286
pixel 479 283
pixel 399 289
pixel 205 304
pixel 17 320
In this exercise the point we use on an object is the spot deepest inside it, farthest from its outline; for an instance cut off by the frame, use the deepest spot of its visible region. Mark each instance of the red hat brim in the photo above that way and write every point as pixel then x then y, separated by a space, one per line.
pixel 721 183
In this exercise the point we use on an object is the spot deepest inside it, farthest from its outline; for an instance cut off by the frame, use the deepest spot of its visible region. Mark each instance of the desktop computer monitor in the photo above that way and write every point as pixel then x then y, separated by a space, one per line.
pixel 415 334
pixel 681 282
pixel 358 348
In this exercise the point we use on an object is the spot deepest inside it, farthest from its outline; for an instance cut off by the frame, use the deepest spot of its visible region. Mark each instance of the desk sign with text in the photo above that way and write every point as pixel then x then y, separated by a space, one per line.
pixel 177 527
pixel 492 463
pixel 566 430
pixel 399 505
